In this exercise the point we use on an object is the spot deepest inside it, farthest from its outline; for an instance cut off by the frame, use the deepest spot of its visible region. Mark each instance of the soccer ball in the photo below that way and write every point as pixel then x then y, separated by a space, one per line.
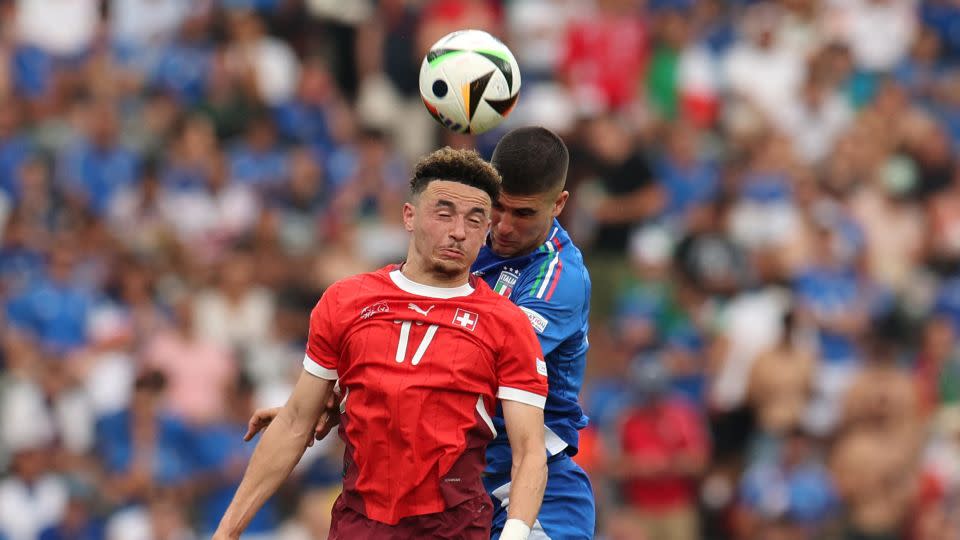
pixel 469 81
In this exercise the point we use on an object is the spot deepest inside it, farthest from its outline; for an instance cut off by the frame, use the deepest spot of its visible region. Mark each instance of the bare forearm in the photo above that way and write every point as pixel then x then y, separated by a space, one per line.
pixel 273 460
pixel 529 479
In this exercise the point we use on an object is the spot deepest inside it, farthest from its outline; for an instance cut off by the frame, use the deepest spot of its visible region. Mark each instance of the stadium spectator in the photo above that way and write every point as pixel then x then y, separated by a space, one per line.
pixel 258 161
pixel 220 462
pixel 612 34
pixel 54 309
pixel 781 381
pixel 876 474
pixel 627 193
pixel 764 74
pixel 665 449
pixel 788 494
pixel 33 498
pixel 64 31
pixel 266 64
pixel 142 449
pixel 195 368
pixel 882 393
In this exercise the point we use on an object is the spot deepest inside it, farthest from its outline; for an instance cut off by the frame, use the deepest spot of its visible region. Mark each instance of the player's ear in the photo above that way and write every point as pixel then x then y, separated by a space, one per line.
pixel 409 212
pixel 560 202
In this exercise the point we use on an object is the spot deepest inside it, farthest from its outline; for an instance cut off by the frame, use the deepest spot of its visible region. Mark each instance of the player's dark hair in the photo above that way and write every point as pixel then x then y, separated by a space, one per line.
pixel 531 160
pixel 151 380
pixel 454 165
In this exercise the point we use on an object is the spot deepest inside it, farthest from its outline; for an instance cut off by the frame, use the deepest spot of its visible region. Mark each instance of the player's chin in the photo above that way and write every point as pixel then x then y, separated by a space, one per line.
pixel 505 252
pixel 504 249
pixel 450 267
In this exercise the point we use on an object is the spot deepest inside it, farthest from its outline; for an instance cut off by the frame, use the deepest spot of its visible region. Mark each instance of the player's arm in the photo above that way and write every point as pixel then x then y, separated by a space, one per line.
pixel 330 419
pixel 279 450
pixel 529 475
pixel 522 378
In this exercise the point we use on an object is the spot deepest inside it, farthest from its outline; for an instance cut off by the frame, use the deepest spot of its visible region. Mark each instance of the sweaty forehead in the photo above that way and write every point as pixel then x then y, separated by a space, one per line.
pixel 461 195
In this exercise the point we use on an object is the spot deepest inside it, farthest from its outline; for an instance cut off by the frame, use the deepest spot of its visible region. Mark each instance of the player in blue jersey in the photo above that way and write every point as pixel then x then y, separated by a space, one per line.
pixel 530 258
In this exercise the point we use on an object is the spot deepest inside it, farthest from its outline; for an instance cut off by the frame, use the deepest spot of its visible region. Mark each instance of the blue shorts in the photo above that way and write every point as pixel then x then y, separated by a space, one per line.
pixel 567 512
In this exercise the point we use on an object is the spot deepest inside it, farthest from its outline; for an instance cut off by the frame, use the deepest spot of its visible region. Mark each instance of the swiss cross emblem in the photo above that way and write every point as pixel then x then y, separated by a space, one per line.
pixel 466 319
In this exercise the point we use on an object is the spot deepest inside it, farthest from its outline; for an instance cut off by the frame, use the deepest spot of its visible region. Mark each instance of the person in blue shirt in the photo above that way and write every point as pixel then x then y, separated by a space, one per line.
pixel 143 450
pixel 15 149
pixel 53 308
pixel 258 160
pixel 531 259
pixel 95 167
pixel 219 464
pixel 791 491
pixel 183 67
pixel 79 521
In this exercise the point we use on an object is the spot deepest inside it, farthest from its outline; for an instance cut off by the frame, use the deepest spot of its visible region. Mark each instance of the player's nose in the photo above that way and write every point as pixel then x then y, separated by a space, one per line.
pixel 459 230
pixel 503 226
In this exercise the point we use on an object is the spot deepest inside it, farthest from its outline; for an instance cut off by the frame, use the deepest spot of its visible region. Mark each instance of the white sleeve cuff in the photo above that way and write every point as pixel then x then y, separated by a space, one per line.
pixel 317 370
pixel 515 394
pixel 515 529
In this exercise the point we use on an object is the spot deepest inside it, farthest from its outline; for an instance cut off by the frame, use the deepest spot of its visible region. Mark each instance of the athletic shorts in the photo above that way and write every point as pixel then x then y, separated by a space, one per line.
pixel 567 512
pixel 469 520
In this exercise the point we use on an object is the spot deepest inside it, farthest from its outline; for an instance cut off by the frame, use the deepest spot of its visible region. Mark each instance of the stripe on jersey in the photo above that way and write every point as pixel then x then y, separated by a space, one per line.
pixel 317 370
pixel 546 247
pixel 482 411
pixel 343 402
pixel 556 275
pixel 522 396
pixel 552 273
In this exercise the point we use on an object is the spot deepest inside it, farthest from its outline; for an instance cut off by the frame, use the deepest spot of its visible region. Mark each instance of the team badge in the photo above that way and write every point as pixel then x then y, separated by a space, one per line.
pixel 505 283
pixel 465 319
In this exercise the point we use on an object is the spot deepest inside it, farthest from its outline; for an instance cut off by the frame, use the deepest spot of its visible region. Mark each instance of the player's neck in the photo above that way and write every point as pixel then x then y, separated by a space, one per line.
pixel 417 274
pixel 542 239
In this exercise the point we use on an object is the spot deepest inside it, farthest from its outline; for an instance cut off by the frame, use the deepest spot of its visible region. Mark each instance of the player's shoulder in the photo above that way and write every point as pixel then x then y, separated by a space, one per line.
pixel 499 306
pixel 379 277
pixel 485 296
pixel 557 274
pixel 572 257
pixel 359 285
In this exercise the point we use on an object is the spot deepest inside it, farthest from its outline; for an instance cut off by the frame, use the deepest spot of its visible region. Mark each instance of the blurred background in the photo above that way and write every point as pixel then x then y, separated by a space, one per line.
pixel 767 194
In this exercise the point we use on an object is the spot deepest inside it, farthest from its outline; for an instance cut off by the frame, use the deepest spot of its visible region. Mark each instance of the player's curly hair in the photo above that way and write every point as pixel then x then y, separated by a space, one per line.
pixel 463 166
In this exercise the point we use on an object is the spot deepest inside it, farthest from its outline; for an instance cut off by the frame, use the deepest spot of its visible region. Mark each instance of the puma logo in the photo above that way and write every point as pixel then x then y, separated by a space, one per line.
pixel 420 311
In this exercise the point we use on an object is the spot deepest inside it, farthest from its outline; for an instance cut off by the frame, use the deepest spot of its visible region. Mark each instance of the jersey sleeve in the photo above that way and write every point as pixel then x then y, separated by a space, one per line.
pixel 521 371
pixel 556 311
pixel 323 339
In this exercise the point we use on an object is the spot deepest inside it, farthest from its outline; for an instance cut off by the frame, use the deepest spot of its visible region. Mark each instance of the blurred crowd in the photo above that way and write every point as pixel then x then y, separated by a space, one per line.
pixel 766 193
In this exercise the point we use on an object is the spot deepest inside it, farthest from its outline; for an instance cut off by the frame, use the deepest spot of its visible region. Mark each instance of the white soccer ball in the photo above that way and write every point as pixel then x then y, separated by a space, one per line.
pixel 469 81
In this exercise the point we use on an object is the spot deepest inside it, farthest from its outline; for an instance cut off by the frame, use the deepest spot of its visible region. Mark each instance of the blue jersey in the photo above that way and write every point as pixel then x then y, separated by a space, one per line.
pixel 552 286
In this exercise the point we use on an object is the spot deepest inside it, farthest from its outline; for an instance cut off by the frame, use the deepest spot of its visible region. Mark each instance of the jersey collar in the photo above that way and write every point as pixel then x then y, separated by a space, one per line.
pixel 488 260
pixel 407 285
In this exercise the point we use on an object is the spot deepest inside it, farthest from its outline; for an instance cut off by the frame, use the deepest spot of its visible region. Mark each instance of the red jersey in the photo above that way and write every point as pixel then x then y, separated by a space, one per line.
pixel 655 435
pixel 591 50
pixel 420 369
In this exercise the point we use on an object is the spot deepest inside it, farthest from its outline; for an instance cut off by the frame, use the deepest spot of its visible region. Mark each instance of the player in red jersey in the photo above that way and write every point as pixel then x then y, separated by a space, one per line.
pixel 421 350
